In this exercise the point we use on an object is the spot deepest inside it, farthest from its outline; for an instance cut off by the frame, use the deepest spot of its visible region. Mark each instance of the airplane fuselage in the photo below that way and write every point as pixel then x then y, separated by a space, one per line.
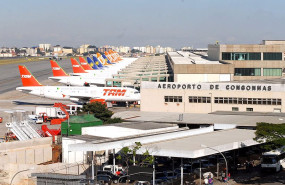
pixel 83 94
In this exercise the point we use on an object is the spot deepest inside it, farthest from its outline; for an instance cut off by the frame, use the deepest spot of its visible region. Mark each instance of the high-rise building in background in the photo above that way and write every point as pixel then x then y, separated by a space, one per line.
pixel 45 47
pixel 83 48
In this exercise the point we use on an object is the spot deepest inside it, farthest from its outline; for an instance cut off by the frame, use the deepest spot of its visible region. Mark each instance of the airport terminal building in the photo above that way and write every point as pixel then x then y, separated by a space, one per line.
pixel 251 61
pixel 245 78
pixel 254 96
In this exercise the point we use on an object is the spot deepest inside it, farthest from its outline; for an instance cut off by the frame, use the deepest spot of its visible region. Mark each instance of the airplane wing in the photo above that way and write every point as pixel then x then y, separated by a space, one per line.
pixel 81 99
pixel 24 90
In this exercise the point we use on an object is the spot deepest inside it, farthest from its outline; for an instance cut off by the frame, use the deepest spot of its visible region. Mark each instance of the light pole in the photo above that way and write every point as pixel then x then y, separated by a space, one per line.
pixel 204 146
pixel 20 172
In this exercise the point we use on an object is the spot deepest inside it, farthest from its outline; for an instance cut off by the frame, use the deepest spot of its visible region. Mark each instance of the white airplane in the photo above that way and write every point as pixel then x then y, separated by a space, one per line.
pixel 97 67
pixel 76 94
pixel 59 75
pixel 81 77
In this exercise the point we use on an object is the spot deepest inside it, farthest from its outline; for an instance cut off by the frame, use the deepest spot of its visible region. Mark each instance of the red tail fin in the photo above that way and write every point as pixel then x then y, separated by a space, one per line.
pixel 77 68
pixel 56 69
pixel 84 64
pixel 27 78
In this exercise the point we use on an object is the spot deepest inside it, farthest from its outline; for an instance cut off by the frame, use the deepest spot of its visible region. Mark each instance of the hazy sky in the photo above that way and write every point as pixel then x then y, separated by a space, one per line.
pixel 173 23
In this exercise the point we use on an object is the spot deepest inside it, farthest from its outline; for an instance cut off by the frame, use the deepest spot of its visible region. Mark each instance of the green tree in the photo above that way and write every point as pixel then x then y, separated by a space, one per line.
pixel 101 112
pixel 135 51
pixel 272 134
pixel 39 52
pixel 128 154
pixel 85 54
pixel 17 51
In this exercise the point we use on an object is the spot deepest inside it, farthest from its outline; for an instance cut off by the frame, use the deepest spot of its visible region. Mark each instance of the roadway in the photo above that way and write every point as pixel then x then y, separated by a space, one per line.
pixel 10 77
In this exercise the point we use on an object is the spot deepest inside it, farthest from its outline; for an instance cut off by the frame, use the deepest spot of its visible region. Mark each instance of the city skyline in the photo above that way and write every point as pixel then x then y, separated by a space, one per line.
pixel 139 23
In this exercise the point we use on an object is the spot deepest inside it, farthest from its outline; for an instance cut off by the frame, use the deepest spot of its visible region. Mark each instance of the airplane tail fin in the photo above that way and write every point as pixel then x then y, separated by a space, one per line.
pixel 97 61
pixel 77 68
pixel 56 69
pixel 84 64
pixel 112 56
pixel 101 59
pixel 106 59
pixel 92 63
pixel 27 78
pixel 109 57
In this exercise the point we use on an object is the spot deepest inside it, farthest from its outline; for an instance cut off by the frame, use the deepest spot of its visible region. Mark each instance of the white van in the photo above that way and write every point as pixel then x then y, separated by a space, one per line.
pixel 110 168
pixel 273 160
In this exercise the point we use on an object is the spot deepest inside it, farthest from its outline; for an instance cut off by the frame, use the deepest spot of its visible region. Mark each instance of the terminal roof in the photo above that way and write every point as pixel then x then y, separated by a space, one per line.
pixel 183 143
pixel 244 119
pixel 190 147
pixel 182 57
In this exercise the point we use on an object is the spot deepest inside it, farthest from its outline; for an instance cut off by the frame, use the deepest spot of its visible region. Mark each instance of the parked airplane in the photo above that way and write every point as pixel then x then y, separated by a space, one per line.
pixel 107 60
pixel 84 64
pixel 86 79
pixel 92 64
pixel 77 94
pixel 107 72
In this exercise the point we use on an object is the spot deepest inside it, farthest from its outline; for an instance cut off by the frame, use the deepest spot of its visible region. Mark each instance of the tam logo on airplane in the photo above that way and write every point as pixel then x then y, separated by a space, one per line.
pixel 114 92
pixel 75 65
pixel 56 68
pixel 26 76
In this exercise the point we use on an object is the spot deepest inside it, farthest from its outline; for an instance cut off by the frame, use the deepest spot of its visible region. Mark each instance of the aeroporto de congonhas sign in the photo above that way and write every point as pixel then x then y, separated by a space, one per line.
pixel 214 86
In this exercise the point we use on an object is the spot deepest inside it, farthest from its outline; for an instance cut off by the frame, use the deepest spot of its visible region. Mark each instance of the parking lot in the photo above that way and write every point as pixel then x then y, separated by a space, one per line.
pixel 243 165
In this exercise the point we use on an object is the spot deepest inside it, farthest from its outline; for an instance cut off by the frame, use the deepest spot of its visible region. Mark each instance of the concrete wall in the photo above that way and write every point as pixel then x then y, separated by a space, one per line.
pixel 186 78
pixel 34 151
pixel 273 42
pixel 68 157
pixel 203 69
pixel 214 52
pixel 22 155
pixel 24 177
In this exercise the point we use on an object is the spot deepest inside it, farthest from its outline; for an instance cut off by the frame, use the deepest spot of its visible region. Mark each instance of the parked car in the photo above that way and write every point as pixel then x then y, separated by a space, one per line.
pixel 204 163
pixel 170 175
pixel 185 171
pixel 160 175
pixel 104 179
pixel 142 183
pixel 114 178
pixel 160 182
pixel 86 181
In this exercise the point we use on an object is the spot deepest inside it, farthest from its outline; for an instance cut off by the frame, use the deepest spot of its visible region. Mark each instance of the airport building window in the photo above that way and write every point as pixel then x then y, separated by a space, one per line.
pixel 172 99
pixel 249 109
pixel 247 72
pixel 199 99
pixel 272 56
pixel 254 56
pixel 272 72
pixel 235 109
pixel 246 101
pixel 240 56
pixel 226 56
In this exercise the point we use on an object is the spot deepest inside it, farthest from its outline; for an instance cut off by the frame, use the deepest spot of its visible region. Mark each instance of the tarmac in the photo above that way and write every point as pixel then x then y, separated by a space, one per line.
pixel 12 100
pixel 10 77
